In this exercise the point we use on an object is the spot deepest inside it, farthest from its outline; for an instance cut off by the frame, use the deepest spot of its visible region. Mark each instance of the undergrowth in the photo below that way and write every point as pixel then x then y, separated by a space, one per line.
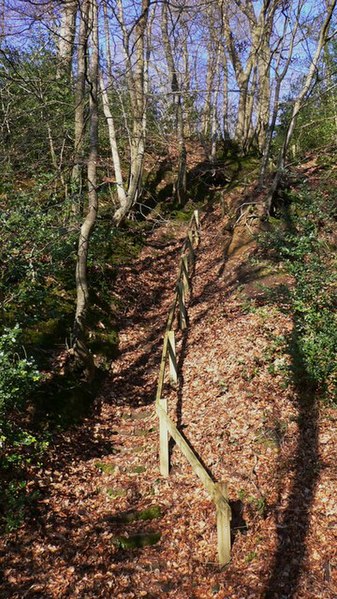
pixel 38 394
pixel 306 248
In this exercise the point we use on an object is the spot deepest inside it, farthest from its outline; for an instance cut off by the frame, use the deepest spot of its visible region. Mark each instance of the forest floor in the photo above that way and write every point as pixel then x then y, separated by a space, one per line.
pixel 254 429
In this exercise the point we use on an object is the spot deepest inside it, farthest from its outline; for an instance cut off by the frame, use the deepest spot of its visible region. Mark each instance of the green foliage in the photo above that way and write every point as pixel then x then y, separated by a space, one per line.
pixel 18 373
pixel 19 377
pixel 14 499
pixel 117 246
pixel 37 255
pixel 35 111
pixel 305 251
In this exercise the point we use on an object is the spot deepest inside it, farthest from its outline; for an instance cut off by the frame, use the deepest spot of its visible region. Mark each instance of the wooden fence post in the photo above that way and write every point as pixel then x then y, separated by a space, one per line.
pixel 172 357
pixel 182 307
pixel 223 517
pixel 164 456
pixel 162 367
pixel 197 225
pixel 186 283
pixel 167 428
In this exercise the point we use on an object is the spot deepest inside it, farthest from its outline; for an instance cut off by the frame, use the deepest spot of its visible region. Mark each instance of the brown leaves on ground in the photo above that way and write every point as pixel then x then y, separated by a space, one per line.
pixel 267 439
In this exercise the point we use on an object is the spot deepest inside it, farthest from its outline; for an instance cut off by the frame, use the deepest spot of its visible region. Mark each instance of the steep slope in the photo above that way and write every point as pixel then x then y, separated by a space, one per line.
pixel 108 524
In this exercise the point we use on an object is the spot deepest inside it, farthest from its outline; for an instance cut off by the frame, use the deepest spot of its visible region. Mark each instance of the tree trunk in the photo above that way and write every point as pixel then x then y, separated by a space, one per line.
pixel 214 121
pixel 66 36
pixel 81 352
pixel 77 171
pixel 225 120
pixel 188 100
pixel 137 80
pixel 122 197
pixel 180 183
pixel 242 131
pixel 263 68
pixel 206 111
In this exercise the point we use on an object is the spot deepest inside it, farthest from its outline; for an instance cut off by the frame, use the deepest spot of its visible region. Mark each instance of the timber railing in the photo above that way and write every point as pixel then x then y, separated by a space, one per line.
pixel 167 428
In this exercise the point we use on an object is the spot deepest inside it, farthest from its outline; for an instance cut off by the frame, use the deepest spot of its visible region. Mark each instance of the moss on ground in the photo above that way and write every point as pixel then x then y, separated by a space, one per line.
pixel 137 541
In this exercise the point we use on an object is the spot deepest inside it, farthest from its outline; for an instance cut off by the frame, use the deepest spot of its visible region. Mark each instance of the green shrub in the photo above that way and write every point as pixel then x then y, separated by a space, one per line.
pixel 306 254
pixel 18 378
pixel 18 373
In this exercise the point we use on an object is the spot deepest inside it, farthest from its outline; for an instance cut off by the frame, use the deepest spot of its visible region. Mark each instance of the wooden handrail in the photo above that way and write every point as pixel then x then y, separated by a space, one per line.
pixel 197 467
pixel 182 274
pixel 167 428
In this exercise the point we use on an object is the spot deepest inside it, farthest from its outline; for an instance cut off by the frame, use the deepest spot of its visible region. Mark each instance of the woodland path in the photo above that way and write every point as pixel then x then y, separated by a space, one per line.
pixel 233 407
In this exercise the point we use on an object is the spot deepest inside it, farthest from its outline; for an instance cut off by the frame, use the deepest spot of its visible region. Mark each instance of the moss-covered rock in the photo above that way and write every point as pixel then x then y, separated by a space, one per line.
pixel 150 513
pixel 137 541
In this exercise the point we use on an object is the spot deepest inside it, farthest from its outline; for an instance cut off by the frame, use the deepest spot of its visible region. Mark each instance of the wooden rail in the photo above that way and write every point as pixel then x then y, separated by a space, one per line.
pixel 167 428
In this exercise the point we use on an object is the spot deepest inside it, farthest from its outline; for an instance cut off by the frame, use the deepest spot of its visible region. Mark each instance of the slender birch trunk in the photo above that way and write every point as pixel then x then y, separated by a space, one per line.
pixel 214 120
pixel 263 69
pixel 188 103
pixel 137 78
pixel 180 183
pixel 206 111
pixel 249 131
pixel 81 352
pixel 225 119
pixel 121 193
pixel 80 125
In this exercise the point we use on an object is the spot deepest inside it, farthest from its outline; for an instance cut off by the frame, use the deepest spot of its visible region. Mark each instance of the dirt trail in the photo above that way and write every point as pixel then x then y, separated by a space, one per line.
pixel 249 429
